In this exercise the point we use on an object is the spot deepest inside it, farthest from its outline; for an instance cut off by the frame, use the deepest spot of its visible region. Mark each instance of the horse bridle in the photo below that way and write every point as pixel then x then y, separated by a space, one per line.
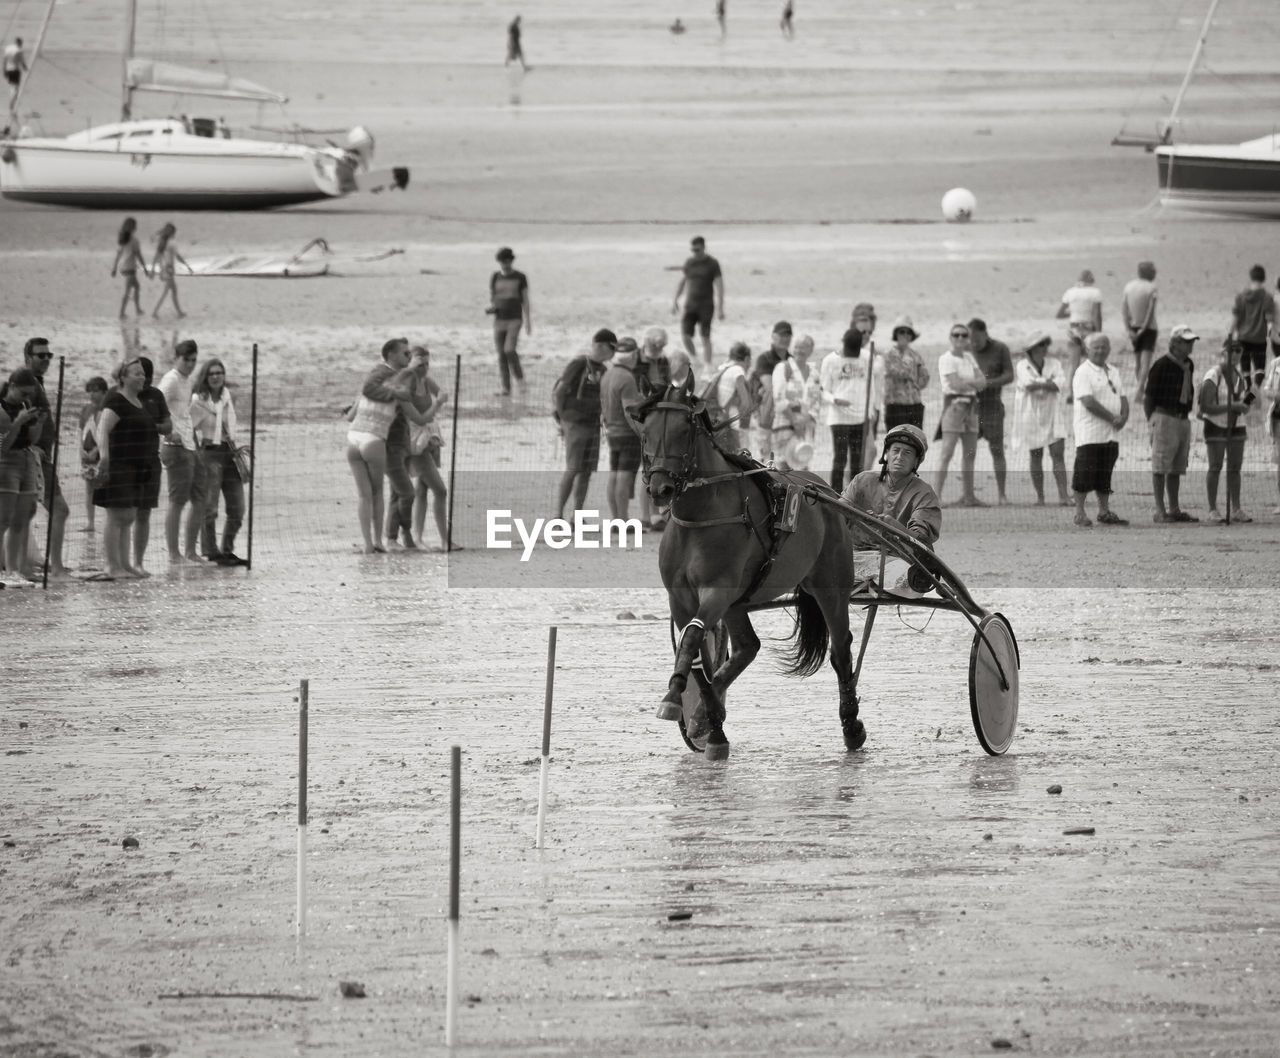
pixel 681 476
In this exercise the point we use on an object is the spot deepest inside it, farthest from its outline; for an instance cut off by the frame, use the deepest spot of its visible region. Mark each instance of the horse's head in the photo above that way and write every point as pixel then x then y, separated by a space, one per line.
pixel 668 422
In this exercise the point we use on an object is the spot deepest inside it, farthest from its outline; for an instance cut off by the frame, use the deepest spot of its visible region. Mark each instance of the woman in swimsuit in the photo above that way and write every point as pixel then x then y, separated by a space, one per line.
pixel 165 264
pixel 128 260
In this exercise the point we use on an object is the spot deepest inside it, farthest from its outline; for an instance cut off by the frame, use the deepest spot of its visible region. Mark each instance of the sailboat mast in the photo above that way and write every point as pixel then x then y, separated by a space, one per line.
pixel 35 58
pixel 1166 131
pixel 130 28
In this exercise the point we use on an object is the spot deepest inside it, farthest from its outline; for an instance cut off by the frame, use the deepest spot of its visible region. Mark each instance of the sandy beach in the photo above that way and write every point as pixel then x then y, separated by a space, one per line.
pixel 916 898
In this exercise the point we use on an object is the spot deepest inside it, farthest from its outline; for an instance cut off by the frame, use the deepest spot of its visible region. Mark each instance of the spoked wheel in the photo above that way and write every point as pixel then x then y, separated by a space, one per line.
pixel 692 722
pixel 993 699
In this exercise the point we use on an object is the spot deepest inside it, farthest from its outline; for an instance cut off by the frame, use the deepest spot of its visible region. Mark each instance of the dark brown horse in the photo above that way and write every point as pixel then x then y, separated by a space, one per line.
pixel 737 534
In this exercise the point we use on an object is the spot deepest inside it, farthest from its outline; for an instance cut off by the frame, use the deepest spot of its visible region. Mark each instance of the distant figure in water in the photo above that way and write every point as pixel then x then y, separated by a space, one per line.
pixel 515 51
pixel 677 27
pixel 720 15
pixel 788 13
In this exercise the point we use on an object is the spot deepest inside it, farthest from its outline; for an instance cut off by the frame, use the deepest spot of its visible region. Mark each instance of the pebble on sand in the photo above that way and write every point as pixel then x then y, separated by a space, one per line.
pixel 1080 830
pixel 129 843
pixel 351 989
pixel 1055 788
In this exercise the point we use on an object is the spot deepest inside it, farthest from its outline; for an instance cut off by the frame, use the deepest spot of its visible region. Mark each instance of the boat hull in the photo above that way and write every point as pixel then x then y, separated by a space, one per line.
pixel 55 172
pixel 1226 180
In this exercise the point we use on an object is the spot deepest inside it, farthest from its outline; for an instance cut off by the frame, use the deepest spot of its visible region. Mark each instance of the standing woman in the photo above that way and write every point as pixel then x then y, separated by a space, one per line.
pixel 154 404
pixel 213 423
pixel 128 260
pixel 1224 401
pixel 1271 391
pixel 904 377
pixel 126 433
pixel 165 265
pixel 796 394
pixel 20 425
pixel 1039 421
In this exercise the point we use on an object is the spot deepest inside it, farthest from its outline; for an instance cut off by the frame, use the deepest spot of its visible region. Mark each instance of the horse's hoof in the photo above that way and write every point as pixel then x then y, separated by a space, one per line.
pixel 717 751
pixel 855 737
pixel 670 710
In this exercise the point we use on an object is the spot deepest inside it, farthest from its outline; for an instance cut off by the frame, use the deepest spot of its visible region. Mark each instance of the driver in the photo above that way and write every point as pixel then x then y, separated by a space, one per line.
pixel 895 493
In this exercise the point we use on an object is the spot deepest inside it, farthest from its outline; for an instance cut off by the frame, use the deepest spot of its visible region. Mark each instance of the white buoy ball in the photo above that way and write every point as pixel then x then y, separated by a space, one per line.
pixel 958 205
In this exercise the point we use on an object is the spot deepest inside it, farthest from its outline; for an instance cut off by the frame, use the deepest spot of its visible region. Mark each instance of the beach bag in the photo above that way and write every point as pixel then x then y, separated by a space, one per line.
pixel 240 460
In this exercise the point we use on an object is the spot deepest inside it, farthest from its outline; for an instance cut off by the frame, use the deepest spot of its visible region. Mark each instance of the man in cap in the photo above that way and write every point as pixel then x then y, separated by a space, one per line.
pixel 1138 310
pixel 1167 401
pixel 895 493
pixel 37 356
pixel 760 383
pixel 997 365
pixel 578 412
pixel 509 304
pixel 703 286
pixel 1081 307
pixel 618 390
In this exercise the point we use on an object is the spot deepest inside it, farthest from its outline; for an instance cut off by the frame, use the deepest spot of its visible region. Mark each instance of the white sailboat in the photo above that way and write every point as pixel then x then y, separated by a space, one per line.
pixel 1229 178
pixel 178 163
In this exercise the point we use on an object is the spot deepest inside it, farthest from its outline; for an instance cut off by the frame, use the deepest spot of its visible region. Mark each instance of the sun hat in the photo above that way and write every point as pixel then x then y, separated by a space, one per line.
pixel 1034 339
pixel 1184 331
pixel 797 452
pixel 903 323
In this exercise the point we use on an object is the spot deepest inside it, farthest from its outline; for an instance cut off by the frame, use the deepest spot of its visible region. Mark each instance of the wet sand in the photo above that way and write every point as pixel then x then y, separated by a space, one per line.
pixel 918 897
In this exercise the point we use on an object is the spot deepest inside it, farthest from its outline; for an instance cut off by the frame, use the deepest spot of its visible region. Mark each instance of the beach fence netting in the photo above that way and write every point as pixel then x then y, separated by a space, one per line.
pixel 507 454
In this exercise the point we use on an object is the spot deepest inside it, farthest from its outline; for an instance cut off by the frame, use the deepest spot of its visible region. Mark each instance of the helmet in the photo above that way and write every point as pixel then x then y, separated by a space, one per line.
pixel 907 434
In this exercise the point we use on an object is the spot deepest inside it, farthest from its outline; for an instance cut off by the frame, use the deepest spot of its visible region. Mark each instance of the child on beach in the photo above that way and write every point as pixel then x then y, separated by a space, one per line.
pixel 165 265
pixel 128 260
pixel 96 389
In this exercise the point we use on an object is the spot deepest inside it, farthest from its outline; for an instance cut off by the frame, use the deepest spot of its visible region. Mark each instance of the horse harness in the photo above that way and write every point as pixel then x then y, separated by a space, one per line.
pixel 782 497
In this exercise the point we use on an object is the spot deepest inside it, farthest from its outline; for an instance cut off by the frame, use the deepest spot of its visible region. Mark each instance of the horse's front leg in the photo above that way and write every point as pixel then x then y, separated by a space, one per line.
pixel 688 653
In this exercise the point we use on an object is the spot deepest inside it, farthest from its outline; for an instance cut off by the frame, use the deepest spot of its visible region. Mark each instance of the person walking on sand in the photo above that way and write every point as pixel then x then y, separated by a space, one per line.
pixel 1253 317
pixel 1081 307
pixel 578 416
pixel 787 20
pixel 128 260
pixel 720 16
pixel 165 265
pixel 1138 310
pixel 509 304
pixel 515 50
pixel 703 285
pixel 15 65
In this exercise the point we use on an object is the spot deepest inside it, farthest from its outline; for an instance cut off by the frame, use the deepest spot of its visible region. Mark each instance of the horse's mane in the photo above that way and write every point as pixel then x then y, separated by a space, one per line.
pixel 655 397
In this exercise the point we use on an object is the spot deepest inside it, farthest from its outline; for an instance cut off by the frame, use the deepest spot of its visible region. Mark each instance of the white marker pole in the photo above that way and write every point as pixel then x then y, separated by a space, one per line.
pixel 303 691
pixel 455 853
pixel 546 734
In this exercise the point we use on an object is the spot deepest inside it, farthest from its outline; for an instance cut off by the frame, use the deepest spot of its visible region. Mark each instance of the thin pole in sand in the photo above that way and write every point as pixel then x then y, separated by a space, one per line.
pixel 253 455
pixel 304 689
pixel 455 853
pixel 453 445
pixel 49 498
pixel 546 733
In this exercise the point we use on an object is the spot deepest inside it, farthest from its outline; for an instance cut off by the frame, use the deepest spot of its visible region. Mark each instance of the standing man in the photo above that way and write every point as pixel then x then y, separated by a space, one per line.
pixel 15 65
pixel 720 16
pixel 181 457
pixel 1082 309
pixel 618 390
pixel 1138 309
pixel 1252 316
pixel 760 385
pixel 578 414
pixel 37 356
pixel 703 285
pixel 863 319
pixel 509 303
pixel 1100 412
pixel 788 17
pixel 1167 401
pixel 997 365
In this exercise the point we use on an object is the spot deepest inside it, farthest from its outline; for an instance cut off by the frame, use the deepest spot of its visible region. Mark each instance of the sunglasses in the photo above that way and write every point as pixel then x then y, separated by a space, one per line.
pixel 43 356
pixel 959 334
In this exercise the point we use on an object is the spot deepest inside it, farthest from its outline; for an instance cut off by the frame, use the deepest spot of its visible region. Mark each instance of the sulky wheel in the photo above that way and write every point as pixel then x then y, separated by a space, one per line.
pixel 993 700
pixel 692 723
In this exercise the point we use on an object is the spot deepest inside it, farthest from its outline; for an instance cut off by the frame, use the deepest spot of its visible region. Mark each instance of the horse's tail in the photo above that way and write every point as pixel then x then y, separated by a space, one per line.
pixel 809 651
